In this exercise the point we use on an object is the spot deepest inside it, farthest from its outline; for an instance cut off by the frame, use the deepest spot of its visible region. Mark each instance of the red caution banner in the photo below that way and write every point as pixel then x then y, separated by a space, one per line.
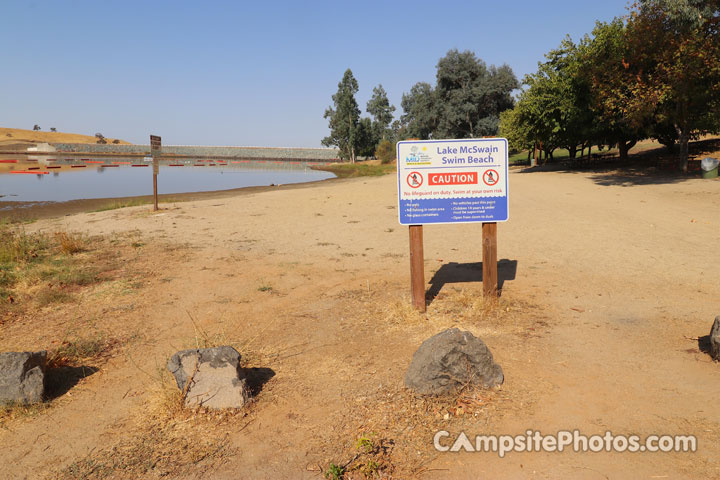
pixel 457 178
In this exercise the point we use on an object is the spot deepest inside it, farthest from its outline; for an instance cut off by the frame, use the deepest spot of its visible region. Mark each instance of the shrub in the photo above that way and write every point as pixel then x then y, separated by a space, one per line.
pixel 385 151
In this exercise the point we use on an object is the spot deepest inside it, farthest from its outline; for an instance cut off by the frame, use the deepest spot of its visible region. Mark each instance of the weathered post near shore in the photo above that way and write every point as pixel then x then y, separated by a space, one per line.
pixel 452 181
pixel 155 151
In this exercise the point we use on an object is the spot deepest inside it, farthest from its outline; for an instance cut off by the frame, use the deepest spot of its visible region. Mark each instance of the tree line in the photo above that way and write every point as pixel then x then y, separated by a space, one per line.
pixel 654 73
pixel 466 102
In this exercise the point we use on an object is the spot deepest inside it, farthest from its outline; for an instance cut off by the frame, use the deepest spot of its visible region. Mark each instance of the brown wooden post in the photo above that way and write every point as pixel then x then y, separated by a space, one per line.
pixel 155 196
pixel 155 149
pixel 489 260
pixel 417 267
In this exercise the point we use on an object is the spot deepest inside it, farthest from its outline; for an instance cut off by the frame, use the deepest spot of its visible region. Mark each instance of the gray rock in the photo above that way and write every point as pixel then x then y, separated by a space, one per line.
pixel 22 377
pixel 715 339
pixel 215 377
pixel 449 360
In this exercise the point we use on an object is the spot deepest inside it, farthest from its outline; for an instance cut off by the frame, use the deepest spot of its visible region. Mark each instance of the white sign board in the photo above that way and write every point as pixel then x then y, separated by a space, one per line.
pixel 452 181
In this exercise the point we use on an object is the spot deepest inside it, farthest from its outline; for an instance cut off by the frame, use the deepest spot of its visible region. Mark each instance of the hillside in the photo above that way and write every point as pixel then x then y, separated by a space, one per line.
pixel 9 136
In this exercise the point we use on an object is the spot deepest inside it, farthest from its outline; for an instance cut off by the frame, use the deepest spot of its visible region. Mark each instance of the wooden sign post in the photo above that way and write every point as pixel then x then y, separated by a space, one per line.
pixel 489 260
pixel 452 181
pixel 155 151
pixel 417 267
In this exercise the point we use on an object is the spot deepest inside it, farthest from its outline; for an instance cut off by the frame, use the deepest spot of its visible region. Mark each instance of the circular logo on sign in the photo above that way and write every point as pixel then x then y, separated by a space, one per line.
pixel 490 177
pixel 414 179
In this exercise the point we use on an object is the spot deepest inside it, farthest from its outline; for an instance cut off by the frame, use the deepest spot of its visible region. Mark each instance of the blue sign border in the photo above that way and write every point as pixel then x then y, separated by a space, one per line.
pixel 500 205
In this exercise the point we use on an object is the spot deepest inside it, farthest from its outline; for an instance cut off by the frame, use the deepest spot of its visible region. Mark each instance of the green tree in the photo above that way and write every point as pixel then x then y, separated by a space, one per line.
pixel 515 129
pixel 382 112
pixel 621 117
pixel 343 118
pixel 419 118
pixel 554 110
pixel 471 96
pixel 466 101
pixel 675 60
pixel 365 139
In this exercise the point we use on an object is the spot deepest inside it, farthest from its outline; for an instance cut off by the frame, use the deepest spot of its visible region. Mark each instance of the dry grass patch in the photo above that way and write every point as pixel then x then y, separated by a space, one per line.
pixel 401 426
pixel 164 439
pixel 402 423
pixel 39 270
pixel 80 351
pixel 9 413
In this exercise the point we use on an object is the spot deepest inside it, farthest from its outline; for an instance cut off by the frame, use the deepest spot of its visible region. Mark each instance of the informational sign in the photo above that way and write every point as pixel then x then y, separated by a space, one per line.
pixel 155 143
pixel 452 181
pixel 155 151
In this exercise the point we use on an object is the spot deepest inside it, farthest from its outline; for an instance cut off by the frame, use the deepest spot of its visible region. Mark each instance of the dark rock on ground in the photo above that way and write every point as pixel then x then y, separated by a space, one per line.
pixel 450 360
pixel 715 339
pixel 210 377
pixel 22 377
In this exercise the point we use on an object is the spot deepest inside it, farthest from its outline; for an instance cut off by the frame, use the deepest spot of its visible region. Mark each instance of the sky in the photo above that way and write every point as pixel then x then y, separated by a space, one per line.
pixel 250 73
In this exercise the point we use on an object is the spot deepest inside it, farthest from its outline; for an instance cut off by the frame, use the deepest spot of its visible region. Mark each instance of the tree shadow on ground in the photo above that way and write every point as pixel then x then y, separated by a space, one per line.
pixel 59 380
pixel 257 377
pixel 454 272
pixel 655 166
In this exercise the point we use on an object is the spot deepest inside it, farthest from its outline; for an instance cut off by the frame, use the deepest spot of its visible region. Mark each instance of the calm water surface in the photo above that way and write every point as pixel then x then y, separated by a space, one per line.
pixel 95 181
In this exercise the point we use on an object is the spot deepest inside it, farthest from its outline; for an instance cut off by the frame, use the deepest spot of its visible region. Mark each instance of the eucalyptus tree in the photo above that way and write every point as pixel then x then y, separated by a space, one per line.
pixel 470 96
pixel 382 112
pixel 343 118
pixel 419 118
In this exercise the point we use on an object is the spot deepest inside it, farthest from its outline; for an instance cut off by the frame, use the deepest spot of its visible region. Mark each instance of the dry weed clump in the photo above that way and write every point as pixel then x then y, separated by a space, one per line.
pixel 462 308
pixel 70 243
pixel 80 351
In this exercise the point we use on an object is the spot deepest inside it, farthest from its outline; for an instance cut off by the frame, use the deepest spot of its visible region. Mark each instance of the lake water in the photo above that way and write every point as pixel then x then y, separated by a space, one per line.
pixel 91 180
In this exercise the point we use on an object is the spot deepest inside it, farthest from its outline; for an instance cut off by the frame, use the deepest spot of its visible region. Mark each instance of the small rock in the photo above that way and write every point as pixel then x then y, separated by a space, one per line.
pixel 449 360
pixel 715 339
pixel 22 377
pixel 215 377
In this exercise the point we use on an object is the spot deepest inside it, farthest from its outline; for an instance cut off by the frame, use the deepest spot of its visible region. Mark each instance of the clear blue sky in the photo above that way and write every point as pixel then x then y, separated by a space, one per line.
pixel 249 73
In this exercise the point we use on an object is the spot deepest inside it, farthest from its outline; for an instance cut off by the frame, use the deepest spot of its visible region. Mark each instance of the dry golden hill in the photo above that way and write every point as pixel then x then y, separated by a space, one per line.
pixel 18 136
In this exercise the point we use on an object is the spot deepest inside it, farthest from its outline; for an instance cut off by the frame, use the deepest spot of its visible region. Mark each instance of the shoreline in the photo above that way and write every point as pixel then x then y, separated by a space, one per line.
pixel 167 155
pixel 19 212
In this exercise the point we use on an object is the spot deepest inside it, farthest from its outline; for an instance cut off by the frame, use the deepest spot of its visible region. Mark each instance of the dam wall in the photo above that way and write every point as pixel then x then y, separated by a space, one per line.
pixel 282 153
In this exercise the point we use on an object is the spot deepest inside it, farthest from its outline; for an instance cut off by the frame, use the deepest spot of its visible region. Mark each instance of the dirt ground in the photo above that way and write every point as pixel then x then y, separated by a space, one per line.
pixel 609 284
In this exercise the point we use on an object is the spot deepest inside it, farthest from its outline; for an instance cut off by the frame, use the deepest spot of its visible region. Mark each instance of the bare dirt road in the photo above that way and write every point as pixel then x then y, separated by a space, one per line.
pixel 609 284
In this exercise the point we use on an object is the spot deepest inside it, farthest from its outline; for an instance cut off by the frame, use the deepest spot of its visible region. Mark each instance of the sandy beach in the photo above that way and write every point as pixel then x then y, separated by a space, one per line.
pixel 609 283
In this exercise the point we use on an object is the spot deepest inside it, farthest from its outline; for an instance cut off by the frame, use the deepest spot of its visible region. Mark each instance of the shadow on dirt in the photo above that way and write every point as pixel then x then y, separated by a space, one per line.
pixel 704 345
pixel 454 272
pixel 257 377
pixel 59 380
pixel 657 166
